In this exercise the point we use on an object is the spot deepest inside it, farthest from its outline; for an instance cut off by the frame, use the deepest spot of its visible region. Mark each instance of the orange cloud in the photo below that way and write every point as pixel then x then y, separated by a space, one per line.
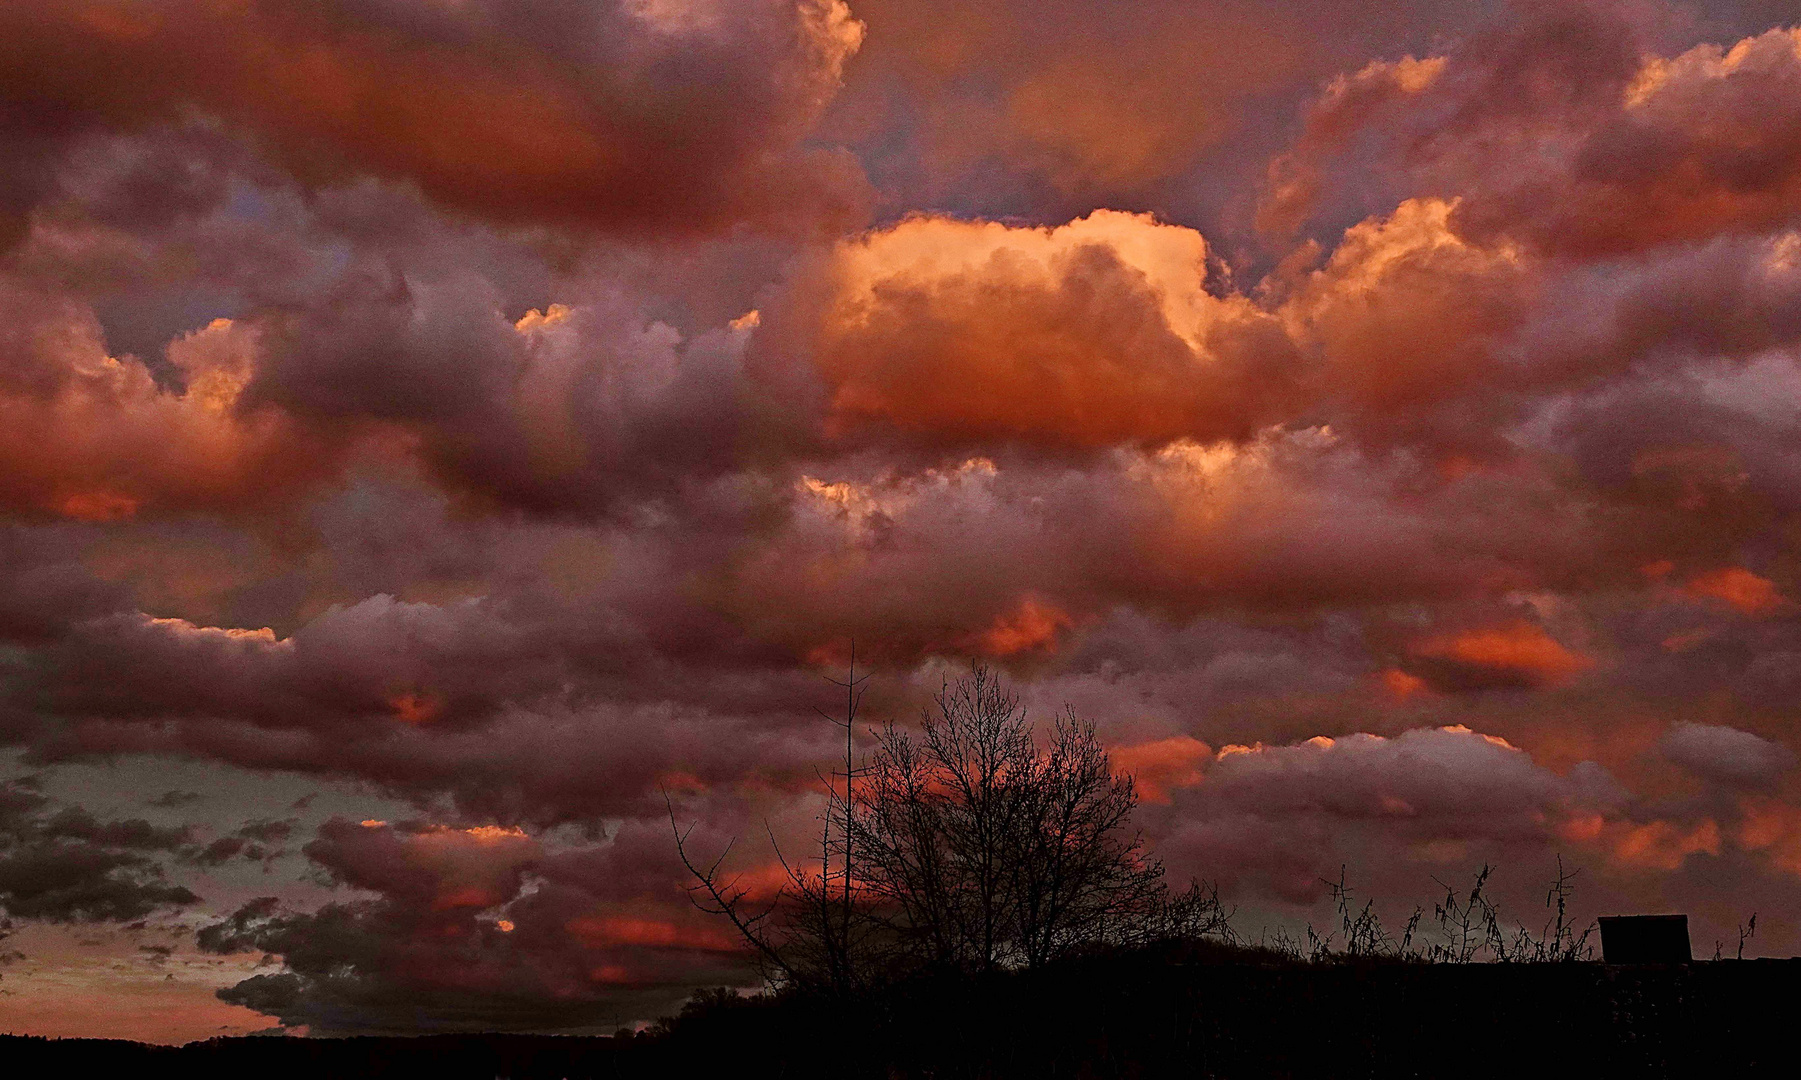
pixel 1032 625
pixel 1773 827
pixel 416 708
pixel 471 867
pixel 1520 648
pixel 1406 311
pixel 95 438
pixel 1158 767
pixel 1656 845
pixel 100 505
pixel 604 931
pixel 1400 683
pixel 1738 589
pixel 1093 333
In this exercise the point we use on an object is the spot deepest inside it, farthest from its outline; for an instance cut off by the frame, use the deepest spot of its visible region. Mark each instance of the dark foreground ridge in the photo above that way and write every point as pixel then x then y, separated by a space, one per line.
pixel 1233 1015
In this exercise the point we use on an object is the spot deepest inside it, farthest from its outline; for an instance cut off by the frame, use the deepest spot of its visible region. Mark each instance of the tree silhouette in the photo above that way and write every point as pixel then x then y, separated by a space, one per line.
pixel 967 845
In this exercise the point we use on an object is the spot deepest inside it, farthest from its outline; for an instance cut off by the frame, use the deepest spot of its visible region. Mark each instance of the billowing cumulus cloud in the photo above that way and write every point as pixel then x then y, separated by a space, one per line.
pixel 566 406
pixel 93 437
pixel 1272 810
pixel 1415 804
pixel 1698 145
pixel 1096 333
pixel 1565 133
pixel 1379 419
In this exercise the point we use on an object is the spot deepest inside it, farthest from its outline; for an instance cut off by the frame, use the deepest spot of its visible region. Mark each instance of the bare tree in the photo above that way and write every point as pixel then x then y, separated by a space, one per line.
pixel 812 935
pixel 982 849
pixel 966 844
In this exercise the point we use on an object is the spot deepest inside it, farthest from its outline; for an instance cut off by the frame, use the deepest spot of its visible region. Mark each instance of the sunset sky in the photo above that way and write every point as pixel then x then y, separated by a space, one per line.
pixel 433 430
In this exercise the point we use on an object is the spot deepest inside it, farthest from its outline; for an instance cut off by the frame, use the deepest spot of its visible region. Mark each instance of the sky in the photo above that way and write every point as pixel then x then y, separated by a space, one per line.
pixel 433 433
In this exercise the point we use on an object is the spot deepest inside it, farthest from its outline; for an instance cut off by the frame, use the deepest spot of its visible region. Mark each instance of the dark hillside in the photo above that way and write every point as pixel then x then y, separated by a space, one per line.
pixel 1215 1016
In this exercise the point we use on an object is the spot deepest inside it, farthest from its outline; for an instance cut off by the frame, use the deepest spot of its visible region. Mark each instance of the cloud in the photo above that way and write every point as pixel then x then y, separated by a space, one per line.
pixel 1408 320
pixel 1564 131
pixel 1048 109
pixel 92 437
pixel 46 587
pixel 600 114
pixel 1726 755
pixel 1738 589
pixel 1517 650
pixel 333 698
pixel 566 407
pixel 67 866
pixel 254 842
pixel 1280 821
pixel 1276 817
pixel 509 410
pixel 176 798
pixel 1094 333
pixel 1348 105
pixel 1706 143
pixel 1159 766
pixel 478 929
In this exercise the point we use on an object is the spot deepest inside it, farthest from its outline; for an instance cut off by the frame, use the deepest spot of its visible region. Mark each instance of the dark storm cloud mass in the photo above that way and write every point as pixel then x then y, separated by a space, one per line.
pixel 1382 419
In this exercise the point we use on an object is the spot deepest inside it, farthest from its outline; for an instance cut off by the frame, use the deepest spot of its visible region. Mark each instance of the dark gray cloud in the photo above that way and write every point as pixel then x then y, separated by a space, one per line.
pixel 177 798
pixel 64 865
pixel 478 929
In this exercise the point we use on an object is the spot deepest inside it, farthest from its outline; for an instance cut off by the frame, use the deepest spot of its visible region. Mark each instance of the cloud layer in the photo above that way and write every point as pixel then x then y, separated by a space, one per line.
pixel 1380 421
